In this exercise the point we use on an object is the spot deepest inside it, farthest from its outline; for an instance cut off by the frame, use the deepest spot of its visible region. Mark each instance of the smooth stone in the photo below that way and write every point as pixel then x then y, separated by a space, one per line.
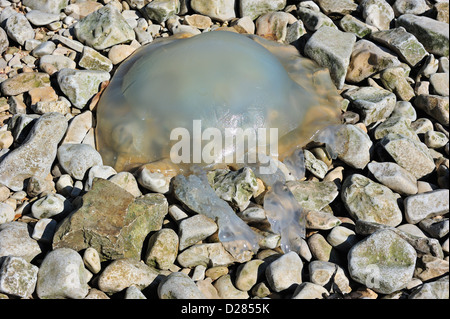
pixel 433 34
pixel 369 201
pixel 213 255
pixel 62 106
pixel 18 277
pixel 377 13
pixel 435 227
pixel 133 292
pixel 39 18
pixel 321 220
pixel 395 177
pixel 314 20
pixel 81 85
pixel 434 139
pixel 405 110
pixel 337 7
pixel 51 205
pixel 91 259
pixel 368 59
pixel 355 146
pixel 82 9
pixel 226 289
pixel 248 274
pixel 62 276
pixel 127 181
pixel 342 238
pixel 59 62
pixel 179 286
pixel 395 80
pixel 120 52
pixel 123 273
pixel 24 82
pixel 162 249
pixel 410 154
pixel 416 7
pixel 403 43
pixel 116 229
pixel 98 171
pixel 323 273
pixel 7 213
pixel 256 8
pixel 221 10
pixel 332 48
pixel 412 230
pixel 322 250
pixel 70 43
pixel 383 262
pixel 199 21
pixel 19 29
pixel 284 272
pixel 426 205
pixel 153 179
pixel 15 240
pixel 93 60
pixel 114 28
pixel 274 25
pixel 77 159
pixel 317 167
pixel 440 83
pixel 396 125
pixel 308 290
pixel 375 104
pixel 41 143
pixel 45 48
pixel 96 294
pixel 194 229
pixel 49 6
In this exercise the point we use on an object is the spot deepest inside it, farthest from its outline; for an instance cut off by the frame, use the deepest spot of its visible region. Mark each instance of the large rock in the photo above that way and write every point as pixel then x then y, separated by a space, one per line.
pixel 116 229
pixel 104 28
pixel 433 34
pixel 383 262
pixel 36 155
pixel 370 201
pixel 332 49
pixel 18 277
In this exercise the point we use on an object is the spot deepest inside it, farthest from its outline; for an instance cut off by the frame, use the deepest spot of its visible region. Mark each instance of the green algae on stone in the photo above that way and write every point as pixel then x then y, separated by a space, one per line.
pixel 383 262
pixel 256 8
pixel 116 229
pixel 161 10
pixel 313 195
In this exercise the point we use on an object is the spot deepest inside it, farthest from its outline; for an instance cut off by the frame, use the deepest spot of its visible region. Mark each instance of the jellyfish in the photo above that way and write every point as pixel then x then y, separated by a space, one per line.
pixel 205 88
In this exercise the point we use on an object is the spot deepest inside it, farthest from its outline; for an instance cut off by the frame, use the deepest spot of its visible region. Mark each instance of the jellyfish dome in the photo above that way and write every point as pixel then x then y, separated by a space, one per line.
pixel 225 80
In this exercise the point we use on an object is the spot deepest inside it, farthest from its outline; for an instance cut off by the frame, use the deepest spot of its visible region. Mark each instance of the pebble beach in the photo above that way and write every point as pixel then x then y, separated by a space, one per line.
pixel 376 214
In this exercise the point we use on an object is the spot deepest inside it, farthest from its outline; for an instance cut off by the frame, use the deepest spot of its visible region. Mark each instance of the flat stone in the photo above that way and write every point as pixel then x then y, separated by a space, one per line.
pixel 39 18
pixel 378 13
pixel 162 249
pixel 62 275
pixel 416 7
pixel 120 52
pixel 19 29
pixel 375 104
pixel 396 125
pixel 395 177
pixel 112 26
pixel 221 10
pixel 18 277
pixel 49 6
pixel 332 48
pixel 426 205
pixel 284 272
pixel 36 155
pixel 255 8
pixel 78 128
pixel 81 85
pixel 339 7
pixel 213 255
pixel 383 262
pixel 15 241
pixel 403 43
pixel 24 82
pixel 116 229
pixel 410 154
pixel 367 59
pixel 194 229
pixel 70 43
pixel 354 146
pixel 440 83
pixel 351 24
pixel 123 273
pixel 370 201
pixel 313 195
pixel 433 34
pixel 199 21
pixel 179 286
pixel 405 110
pixel 58 61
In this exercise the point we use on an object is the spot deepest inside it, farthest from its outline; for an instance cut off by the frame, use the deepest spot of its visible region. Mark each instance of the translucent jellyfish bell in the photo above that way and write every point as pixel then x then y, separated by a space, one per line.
pixel 225 80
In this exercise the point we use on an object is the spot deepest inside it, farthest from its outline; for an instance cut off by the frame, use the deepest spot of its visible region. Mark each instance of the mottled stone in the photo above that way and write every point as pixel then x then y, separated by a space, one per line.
pixel 205 254
pixel 50 6
pixel 162 249
pixel 438 289
pixel 378 13
pixel 313 195
pixel 18 277
pixel 222 10
pixel 284 272
pixel 77 159
pixel 15 240
pixel 324 273
pixel 24 82
pixel 395 177
pixel 161 10
pixel 194 229
pixel 179 286
pixel 426 205
pixel 255 8
pixel 434 105
pixel 116 229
